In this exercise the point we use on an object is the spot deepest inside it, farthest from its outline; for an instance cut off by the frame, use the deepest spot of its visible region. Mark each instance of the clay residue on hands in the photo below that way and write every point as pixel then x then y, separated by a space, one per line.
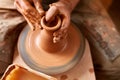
pixel 32 15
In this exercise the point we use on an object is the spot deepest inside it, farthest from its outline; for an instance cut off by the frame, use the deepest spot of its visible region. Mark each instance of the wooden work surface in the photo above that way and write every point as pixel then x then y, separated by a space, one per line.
pixel 82 71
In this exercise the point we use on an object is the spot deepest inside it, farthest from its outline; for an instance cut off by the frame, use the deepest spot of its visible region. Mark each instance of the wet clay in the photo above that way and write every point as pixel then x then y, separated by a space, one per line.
pixel 45 53
pixel 60 54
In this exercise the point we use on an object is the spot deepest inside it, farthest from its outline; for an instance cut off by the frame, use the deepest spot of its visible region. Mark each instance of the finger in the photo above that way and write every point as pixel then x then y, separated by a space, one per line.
pixel 65 23
pixel 62 32
pixel 57 33
pixel 56 39
pixel 22 12
pixel 29 13
pixel 51 13
pixel 64 27
pixel 24 4
pixel 38 6
pixel 17 5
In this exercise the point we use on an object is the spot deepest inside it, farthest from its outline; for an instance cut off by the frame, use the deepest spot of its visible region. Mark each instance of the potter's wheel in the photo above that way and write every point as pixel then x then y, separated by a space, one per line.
pixel 50 63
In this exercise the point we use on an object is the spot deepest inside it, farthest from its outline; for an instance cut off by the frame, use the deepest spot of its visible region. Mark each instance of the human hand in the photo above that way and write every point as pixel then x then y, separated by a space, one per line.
pixel 63 9
pixel 31 14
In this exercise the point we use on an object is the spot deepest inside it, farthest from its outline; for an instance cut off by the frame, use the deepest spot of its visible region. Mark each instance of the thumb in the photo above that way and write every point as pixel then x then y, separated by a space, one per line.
pixel 39 7
pixel 51 13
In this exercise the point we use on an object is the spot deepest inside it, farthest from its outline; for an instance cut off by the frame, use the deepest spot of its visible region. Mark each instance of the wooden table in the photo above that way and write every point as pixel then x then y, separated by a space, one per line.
pixel 82 71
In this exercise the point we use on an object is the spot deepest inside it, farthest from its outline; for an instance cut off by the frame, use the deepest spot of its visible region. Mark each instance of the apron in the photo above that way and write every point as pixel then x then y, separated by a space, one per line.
pixel 11 23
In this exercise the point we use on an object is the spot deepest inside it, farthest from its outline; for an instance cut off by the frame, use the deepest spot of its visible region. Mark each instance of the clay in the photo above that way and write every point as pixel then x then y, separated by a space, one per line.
pixel 48 53
pixel 34 13
pixel 42 54
pixel 50 46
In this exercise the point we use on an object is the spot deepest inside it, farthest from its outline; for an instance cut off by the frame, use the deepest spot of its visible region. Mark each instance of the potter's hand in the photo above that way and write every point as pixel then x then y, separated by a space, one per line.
pixel 30 13
pixel 64 9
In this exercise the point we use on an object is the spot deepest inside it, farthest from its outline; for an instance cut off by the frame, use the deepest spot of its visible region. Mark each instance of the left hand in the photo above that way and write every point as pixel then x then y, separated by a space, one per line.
pixel 31 14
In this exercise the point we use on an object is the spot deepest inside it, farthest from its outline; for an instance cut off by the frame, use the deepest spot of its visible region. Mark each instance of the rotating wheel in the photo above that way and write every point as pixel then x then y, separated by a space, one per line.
pixel 51 63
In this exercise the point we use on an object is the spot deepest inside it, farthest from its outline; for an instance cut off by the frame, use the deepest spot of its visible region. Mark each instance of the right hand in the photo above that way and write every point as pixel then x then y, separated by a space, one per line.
pixel 63 8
